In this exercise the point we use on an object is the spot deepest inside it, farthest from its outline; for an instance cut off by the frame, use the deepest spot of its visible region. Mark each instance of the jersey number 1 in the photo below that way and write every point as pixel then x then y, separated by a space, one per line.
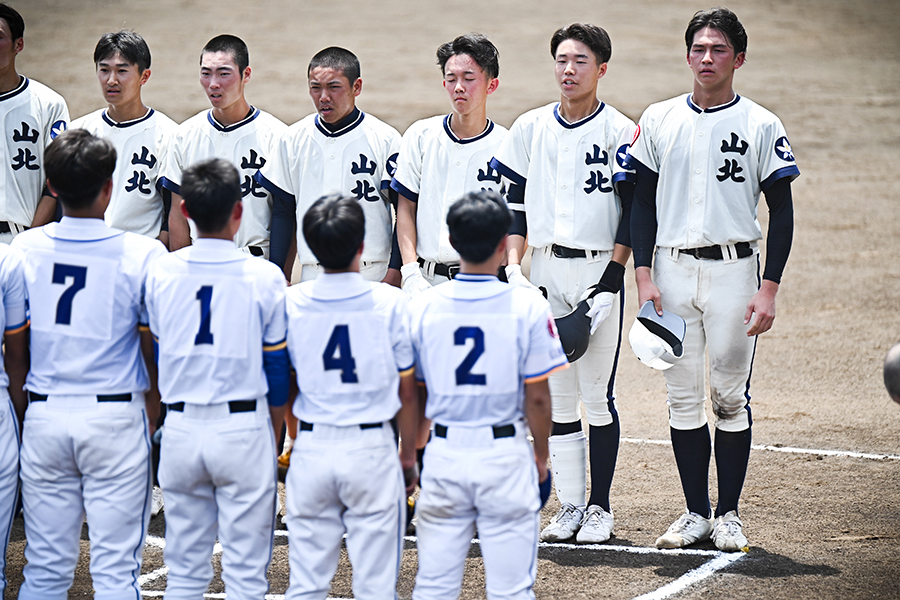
pixel 337 354
pixel 204 335
pixel 64 305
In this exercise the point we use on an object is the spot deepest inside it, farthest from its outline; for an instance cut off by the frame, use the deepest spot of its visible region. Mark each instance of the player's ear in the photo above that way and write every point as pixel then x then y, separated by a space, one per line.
pixel 183 207
pixel 19 44
pixel 145 76
pixel 739 60
pixel 493 84
pixel 602 70
pixel 357 86
pixel 246 75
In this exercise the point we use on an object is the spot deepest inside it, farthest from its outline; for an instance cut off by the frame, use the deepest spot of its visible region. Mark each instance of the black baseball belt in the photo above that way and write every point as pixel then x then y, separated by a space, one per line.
pixel 448 271
pixel 742 249
pixel 500 431
pixel 33 397
pixel 234 406
pixel 304 426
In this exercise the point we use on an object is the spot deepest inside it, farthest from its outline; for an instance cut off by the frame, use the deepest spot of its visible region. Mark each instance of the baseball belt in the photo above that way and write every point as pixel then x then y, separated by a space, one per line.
pixel 4 227
pixel 32 397
pixel 255 251
pixel 234 406
pixel 448 271
pixel 742 249
pixel 500 431
pixel 304 426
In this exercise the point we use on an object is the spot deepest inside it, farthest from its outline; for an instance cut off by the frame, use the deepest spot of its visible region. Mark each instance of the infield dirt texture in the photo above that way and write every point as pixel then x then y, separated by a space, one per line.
pixel 821 525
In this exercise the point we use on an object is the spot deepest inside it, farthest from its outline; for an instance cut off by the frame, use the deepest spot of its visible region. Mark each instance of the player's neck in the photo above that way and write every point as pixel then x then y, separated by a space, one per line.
pixel 468 125
pixel 576 109
pixel 121 113
pixel 235 113
pixel 9 79
pixel 708 98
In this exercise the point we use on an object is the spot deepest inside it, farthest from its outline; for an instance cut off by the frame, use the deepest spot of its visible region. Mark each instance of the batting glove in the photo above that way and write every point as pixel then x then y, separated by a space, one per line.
pixel 413 281
pixel 515 277
pixel 600 297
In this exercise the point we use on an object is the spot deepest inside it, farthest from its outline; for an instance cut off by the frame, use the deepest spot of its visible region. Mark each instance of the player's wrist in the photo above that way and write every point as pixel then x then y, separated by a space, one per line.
pixel 613 277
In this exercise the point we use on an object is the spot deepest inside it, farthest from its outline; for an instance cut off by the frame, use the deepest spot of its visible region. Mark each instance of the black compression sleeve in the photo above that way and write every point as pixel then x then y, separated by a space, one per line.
pixel 643 218
pixel 626 196
pixel 284 220
pixel 515 196
pixel 781 228
pixel 396 261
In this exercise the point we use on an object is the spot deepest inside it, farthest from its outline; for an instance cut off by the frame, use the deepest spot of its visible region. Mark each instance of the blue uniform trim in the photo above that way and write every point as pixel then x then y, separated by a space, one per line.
pixel 611 385
pixel 145 513
pixel 545 371
pixel 272 188
pixel 254 112
pixel 411 366
pixel 169 185
pixel 790 171
pixel 124 124
pixel 487 131
pixel 276 365
pixel 354 123
pixel 404 191
pixel 23 85
pixel 713 109
pixel 622 176
pixel 632 163
pixel 568 125
pixel 507 172
pixel 15 327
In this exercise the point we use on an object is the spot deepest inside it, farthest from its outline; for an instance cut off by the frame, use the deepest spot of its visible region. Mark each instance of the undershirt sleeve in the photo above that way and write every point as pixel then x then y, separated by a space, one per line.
pixel 781 228
pixel 643 218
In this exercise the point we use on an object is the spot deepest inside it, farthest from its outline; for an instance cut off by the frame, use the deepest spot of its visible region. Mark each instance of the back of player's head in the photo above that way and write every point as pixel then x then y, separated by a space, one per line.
pixel 722 20
pixel 231 44
pixel 130 45
pixel 13 19
pixel 339 59
pixel 476 45
pixel 591 36
pixel 210 190
pixel 77 165
pixel 334 227
pixel 477 222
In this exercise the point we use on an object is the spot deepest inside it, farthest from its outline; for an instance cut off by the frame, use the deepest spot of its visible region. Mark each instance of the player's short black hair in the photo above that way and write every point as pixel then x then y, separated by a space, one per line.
pixel 13 19
pixel 591 36
pixel 477 222
pixel 722 20
pixel 129 44
pixel 892 372
pixel 210 190
pixel 231 44
pixel 476 45
pixel 77 165
pixel 334 227
pixel 339 59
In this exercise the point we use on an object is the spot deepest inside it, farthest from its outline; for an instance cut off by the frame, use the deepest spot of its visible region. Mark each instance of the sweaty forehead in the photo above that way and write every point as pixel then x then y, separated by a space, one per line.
pixel 217 60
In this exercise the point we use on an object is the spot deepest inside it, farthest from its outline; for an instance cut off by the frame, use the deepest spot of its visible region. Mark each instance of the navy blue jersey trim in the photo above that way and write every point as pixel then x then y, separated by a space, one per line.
pixel 353 125
pixel 404 191
pixel 385 185
pixel 272 188
pixel 713 109
pixel 487 131
pixel 617 177
pixel 254 112
pixel 473 277
pixel 507 172
pixel 638 166
pixel 790 171
pixel 23 85
pixel 124 124
pixel 169 185
pixel 568 125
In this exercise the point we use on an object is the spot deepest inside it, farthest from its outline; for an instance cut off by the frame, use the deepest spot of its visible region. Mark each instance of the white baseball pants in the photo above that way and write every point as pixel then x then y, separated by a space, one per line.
pixel 9 476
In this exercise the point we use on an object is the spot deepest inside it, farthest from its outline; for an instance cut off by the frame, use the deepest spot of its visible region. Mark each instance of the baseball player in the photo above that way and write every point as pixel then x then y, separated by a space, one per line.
pixel 32 115
pixel 702 160
pixel 218 315
pixel 348 339
pixel 233 130
pixel 86 439
pixel 443 157
pixel 571 195
pixel 338 149
pixel 14 324
pixel 892 373
pixel 139 133
pixel 484 349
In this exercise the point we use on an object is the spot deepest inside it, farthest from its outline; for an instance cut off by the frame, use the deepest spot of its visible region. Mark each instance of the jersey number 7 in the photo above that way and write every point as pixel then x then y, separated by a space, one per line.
pixel 62 272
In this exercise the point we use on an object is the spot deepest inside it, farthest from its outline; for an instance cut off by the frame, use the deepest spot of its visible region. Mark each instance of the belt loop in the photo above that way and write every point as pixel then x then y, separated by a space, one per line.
pixel 547 251
pixel 729 253
pixel 672 254
pixel 593 256
pixel 429 269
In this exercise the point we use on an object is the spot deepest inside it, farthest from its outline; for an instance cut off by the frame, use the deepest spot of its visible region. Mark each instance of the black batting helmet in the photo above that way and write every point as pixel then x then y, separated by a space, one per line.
pixel 575 331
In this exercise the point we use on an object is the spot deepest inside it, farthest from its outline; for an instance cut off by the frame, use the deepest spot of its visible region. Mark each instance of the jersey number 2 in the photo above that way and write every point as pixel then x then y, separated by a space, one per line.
pixel 464 374
pixel 64 305
pixel 337 354
pixel 204 335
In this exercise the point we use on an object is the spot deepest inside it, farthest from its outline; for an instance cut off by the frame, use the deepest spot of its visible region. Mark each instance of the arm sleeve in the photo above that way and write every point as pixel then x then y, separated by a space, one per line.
pixel 284 221
pixel 626 197
pixel 643 218
pixel 781 228
pixel 276 362
pixel 278 375
pixel 396 261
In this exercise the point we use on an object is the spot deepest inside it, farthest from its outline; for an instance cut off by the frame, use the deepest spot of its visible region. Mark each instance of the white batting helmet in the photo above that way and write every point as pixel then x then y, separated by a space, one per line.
pixel 657 340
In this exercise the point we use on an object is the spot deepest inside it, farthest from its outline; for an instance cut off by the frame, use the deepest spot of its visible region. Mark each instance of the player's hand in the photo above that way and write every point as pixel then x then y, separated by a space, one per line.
pixel 600 306
pixel 763 305
pixel 413 281
pixel 647 290
pixel 515 277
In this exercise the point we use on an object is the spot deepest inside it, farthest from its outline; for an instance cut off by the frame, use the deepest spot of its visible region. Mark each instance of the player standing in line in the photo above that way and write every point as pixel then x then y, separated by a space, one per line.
pixel 86 440
pixel 233 130
pixel 702 159
pixel 32 115
pixel 571 194
pixel 484 349
pixel 443 157
pixel 338 149
pixel 218 315
pixel 140 135
pixel 349 341
pixel 14 324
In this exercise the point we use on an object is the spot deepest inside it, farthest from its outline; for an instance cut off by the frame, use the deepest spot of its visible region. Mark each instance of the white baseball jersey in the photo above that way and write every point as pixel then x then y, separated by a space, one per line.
pixel 13 309
pixel 349 341
pixel 209 306
pixel 477 342
pixel 571 171
pixel 32 115
pixel 136 204
pixel 85 286
pixel 359 160
pixel 434 169
pixel 708 192
pixel 248 144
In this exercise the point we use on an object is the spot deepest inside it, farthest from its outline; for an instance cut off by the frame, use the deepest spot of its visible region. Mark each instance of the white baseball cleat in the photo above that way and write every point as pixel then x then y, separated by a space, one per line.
pixel 728 535
pixel 686 530
pixel 157 503
pixel 564 525
pixel 596 526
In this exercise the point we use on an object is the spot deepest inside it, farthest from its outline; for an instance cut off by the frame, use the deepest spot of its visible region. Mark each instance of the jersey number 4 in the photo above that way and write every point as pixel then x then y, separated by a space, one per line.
pixel 64 305
pixel 464 374
pixel 337 355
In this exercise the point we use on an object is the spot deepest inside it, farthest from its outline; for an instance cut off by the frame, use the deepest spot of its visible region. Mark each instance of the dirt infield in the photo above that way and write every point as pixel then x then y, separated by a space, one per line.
pixel 821 526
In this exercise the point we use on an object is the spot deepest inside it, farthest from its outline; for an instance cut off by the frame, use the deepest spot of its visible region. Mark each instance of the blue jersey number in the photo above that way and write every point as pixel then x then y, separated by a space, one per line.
pixel 204 335
pixel 338 356
pixel 64 306
pixel 464 375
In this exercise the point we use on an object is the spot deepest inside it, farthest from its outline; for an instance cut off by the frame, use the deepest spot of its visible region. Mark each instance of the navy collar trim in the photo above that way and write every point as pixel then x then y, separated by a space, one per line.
pixel 352 123
pixel 568 125
pixel 23 85
pixel 254 112
pixel 713 109
pixel 124 124
pixel 487 131
pixel 475 277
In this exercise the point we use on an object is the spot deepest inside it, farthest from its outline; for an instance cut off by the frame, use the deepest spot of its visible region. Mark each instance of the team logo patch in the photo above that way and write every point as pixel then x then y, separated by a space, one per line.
pixel 637 134
pixel 392 164
pixel 622 156
pixel 783 149
pixel 551 326
pixel 61 126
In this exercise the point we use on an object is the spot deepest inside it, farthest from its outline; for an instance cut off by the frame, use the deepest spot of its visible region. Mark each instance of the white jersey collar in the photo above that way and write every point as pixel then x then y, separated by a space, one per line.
pixel 254 112
pixel 467 286
pixel 487 130
pixel 338 286
pixel 567 125
pixel 712 109
pixel 80 229
pixel 109 121
pixel 211 250
pixel 23 84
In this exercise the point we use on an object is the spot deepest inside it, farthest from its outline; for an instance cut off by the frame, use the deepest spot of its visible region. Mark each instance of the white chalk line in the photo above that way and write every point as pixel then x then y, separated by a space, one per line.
pixel 694 576
pixel 787 449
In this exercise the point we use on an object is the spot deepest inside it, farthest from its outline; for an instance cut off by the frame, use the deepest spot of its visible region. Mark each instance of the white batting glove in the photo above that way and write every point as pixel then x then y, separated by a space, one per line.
pixel 515 277
pixel 413 281
pixel 600 306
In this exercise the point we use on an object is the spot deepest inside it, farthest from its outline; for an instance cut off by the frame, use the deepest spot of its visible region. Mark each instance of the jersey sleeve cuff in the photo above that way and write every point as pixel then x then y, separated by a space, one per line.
pixel 632 163
pixel 542 376
pixel 408 371
pixel 404 191
pixel 170 185
pixel 790 171
pixel 624 176
pixel 276 346
pixel 17 328
pixel 507 172
pixel 272 188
